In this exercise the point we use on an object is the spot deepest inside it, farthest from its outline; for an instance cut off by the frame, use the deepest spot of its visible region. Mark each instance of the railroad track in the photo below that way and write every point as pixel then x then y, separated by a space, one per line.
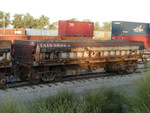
pixel 25 92
pixel 70 78
pixel 63 79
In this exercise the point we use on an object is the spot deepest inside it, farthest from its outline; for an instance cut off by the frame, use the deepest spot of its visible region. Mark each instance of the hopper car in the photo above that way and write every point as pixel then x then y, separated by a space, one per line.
pixel 49 59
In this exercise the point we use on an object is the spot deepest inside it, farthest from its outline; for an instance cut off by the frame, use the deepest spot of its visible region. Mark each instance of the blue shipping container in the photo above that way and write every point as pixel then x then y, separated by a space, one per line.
pixel 122 28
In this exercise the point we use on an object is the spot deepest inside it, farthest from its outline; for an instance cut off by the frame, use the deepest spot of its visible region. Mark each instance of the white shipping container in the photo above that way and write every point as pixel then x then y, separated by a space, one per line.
pixel 41 32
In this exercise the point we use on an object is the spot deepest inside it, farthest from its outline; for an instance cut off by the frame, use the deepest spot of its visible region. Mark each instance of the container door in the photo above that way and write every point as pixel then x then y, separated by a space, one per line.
pixel 72 28
pixel 89 30
pixel 62 30
pixel 116 29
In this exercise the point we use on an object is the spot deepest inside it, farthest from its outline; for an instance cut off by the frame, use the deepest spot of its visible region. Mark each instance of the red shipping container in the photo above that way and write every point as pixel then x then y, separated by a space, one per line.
pixel 75 28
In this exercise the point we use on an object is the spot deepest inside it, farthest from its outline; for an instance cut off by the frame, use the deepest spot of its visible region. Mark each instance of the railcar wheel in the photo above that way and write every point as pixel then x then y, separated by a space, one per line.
pixel 130 68
pixel 121 68
pixel 34 76
pixel 107 69
pixel 54 74
pixel 50 76
pixel 58 73
pixel 2 80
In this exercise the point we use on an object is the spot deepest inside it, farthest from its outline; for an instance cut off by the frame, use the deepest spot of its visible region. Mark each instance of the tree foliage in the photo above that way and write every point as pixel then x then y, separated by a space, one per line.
pixel 41 22
pixel 54 25
pixel 4 19
pixel 107 26
pixel 1 14
pixel 18 21
pixel 96 26
pixel 28 21
pixel 73 19
pixel 87 20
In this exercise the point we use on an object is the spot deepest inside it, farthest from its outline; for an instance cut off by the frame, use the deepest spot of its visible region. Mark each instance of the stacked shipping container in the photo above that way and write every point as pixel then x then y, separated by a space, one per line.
pixel 75 28
pixel 12 32
pixel 133 31
pixel 41 32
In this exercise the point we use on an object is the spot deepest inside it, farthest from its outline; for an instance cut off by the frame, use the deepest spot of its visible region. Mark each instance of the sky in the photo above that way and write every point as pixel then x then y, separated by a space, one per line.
pixel 95 10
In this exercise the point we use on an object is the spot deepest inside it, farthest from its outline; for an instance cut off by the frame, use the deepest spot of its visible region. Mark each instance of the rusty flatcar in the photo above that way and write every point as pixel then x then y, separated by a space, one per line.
pixel 5 60
pixel 48 59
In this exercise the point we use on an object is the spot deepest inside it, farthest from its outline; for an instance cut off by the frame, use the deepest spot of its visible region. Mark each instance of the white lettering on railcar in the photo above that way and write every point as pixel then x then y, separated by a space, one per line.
pixel 138 29
pixel 47 45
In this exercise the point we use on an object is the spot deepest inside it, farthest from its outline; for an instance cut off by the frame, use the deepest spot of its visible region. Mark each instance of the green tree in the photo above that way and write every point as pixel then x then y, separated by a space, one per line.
pixel 54 25
pixel 35 24
pixel 7 19
pixel 86 20
pixel 106 26
pixel 1 14
pixel 28 21
pixel 41 22
pixel 18 21
pixel 73 19
pixel 4 19
pixel 96 26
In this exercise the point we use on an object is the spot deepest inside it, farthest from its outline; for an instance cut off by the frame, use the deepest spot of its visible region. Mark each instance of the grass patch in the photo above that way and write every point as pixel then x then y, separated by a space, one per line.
pixel 141 101
pixel 63 102
pixel 107 100
pixel 13 107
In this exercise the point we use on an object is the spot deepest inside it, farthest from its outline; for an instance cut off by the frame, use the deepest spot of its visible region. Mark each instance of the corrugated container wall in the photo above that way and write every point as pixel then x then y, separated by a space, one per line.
pixel 41 32
pixel 12 32
pixel 75 28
